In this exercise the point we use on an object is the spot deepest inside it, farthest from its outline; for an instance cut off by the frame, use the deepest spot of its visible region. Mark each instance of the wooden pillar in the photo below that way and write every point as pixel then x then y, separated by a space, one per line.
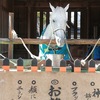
pixel 41 21
pixel 84 24
pixel 75 25
pixel 47 18
pixel 88 21
pixel 29 27
pixel 69 23
pixel 34 27
pixel 11 26
pixel 0 18
pixel 0 24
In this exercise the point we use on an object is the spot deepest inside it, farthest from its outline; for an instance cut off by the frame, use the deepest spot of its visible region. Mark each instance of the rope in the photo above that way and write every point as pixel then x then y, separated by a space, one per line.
pixel 83 61
pixel 15 36
pixel 47 48
pixel 69 52
pixel 32 56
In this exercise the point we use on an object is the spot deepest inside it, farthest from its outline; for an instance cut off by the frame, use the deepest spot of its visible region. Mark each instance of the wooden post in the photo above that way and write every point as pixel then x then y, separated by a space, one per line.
pixel 20 65
pixel 11 26
pixel 62 66
pixel 34 66
pixel 5 65
pixel 48 66
pixel 77 66
pixel 91 66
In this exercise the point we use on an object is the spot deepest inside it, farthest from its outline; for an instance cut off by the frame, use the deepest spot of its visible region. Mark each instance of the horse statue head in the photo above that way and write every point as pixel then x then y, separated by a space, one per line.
pixel 57 26
pixel 58 23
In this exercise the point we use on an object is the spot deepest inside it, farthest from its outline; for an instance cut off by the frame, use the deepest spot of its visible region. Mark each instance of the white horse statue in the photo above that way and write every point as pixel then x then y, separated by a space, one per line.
pixel 56 29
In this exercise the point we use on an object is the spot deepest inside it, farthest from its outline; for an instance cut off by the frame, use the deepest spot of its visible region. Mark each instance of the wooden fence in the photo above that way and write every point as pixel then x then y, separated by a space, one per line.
pixel 48 65
pixel 73 42
pixel 48 84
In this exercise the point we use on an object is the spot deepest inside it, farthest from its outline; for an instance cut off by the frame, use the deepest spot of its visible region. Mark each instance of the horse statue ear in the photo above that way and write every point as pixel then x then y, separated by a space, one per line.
pixel 52 7
pixel 67 7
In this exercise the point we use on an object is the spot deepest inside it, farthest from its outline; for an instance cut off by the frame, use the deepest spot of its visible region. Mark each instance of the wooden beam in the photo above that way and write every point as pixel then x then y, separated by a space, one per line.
pixel 46 41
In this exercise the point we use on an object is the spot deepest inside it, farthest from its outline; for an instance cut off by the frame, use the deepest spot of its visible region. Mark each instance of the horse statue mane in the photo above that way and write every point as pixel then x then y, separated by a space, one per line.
pixel 56 29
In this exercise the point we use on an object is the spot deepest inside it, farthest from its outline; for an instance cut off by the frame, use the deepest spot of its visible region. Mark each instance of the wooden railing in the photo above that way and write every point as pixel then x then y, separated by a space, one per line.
pixel 46 41
pixel 12 42
pixel 20 66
